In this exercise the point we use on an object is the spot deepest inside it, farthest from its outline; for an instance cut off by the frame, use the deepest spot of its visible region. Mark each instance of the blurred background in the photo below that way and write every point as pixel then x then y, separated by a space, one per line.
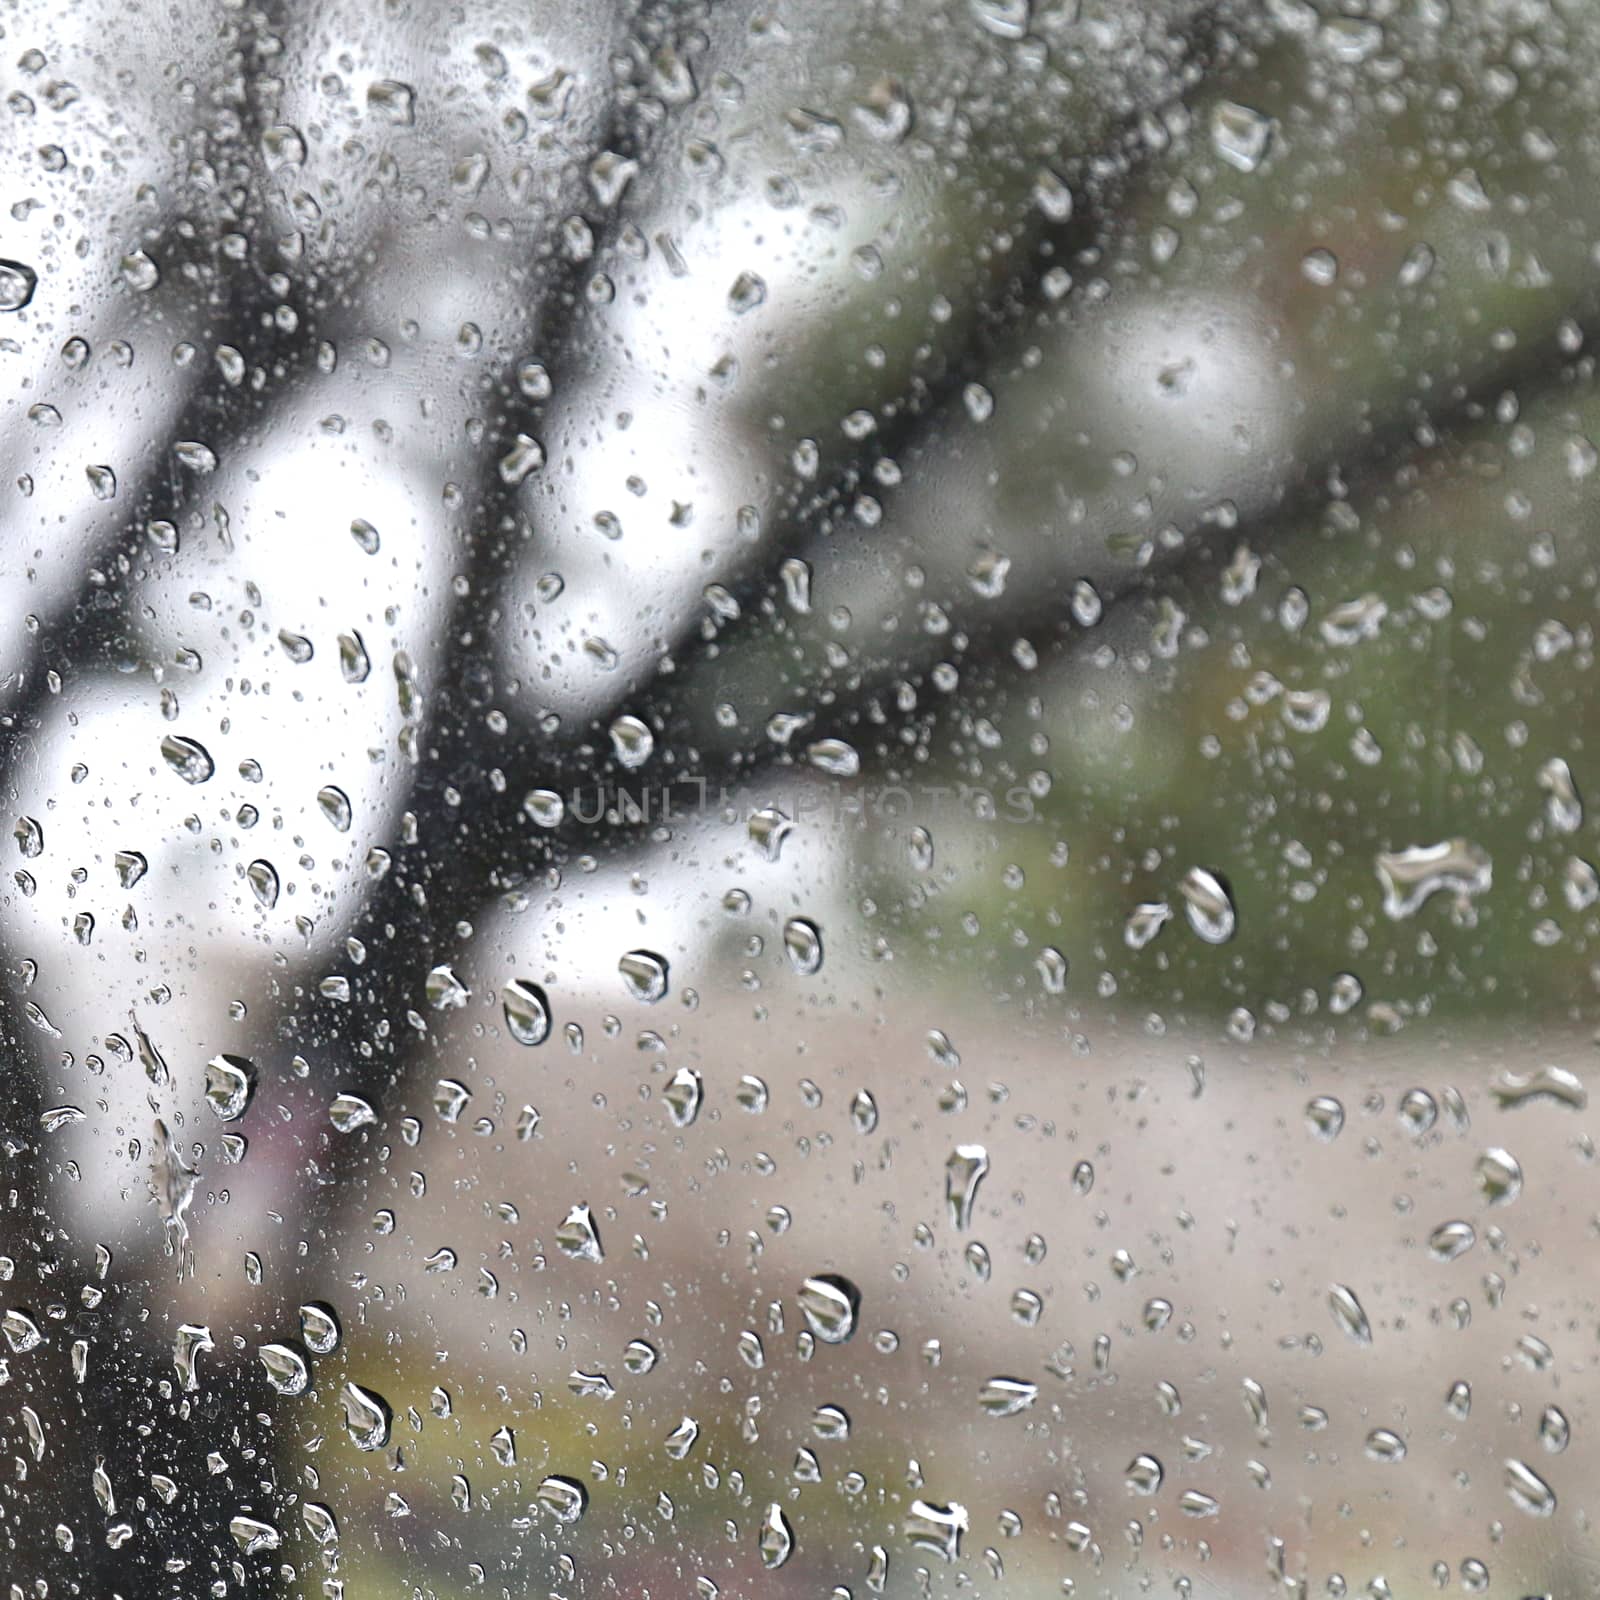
pixel 795 798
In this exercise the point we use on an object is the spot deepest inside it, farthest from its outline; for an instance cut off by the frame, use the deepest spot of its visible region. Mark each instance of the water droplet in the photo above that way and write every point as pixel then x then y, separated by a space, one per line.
pixel 564 1498
pixel 130 866
pixel 1145 922
pixel 1208 905
pixel 1325 1117
pixel 1545 1083
pixel 139 272
pixel 192 1340
pixel 683 1094
pixel 1410 876
pixel 1385 1445
pixel 253 1536
pixel 286 1368
pixel 936 1528
pixel 17 284
pixel 230 1082
pixel 367 1417
pixel 1528 1491
pixel 319 1327
pixel 392 101
pixel 1349 1313
pixel 1499 1175
pixel 262 877
pixel 803 943
pixel 632 741
pixel 768 829
pixel 749 291
pixel 776 1543
pixel 1144 1475
pixel 578 1236
pixel 525 456
pixel 545 807
pixel 349 1112
pixel 964 1171
pixel 444 990
pixel 681 1440
pixel 354 664
pixel 335 806
pixel 1451 1239
pixel 645 975
pixel 21 1331
pixel 830 1305
pixel 1563 804
pixel 1240 135
pixel 526 1010
pixel 1005 1397
pixel 835 757
pixel 29 836
pixel 187 757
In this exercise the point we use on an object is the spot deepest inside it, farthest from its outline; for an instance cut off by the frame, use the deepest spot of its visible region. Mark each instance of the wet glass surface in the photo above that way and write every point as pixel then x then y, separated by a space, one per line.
pixel 795 799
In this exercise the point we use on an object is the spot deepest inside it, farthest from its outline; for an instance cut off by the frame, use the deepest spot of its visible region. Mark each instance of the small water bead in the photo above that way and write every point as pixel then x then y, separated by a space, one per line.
pixel 1240 134
pixel 830 1423
pixel 803 943
pixel 831 1305
pixel 751 1094
pixel 367 1417
pixel 768 828
pixel 683 1095
pixel 1144 922
pixel 965 1170
pixel 334 804
pixel 1528 1491
pixel 1006 1397
pixel 230 1083
pixel 681 1440
pixel 444 990
pixel 450 1099
pixel 545 808
pixel 18 281
pixel 253 1536
pixel 349 1112
pixel 1512 1088
pixel 1208 905
pixel 319 1327
pixel 565 1499
pixel 632 741
pixel 187 757
pixel 1563 803
pixel 834 757
pixel 1325 1117
pixel 1418 1112
pixel 776 1541
pixel 526 1009
pixel 864 1111
pixel 645 975
pixel 286 1368
pixel 936 1528
pixel 354 663
pixel 1412 876
pixel 262 877
pixel 578 1236
pixel 639 1357
pixel 1499 1176
pixel 1385 1445
pixel 1451 1239
pixel 1144 1475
